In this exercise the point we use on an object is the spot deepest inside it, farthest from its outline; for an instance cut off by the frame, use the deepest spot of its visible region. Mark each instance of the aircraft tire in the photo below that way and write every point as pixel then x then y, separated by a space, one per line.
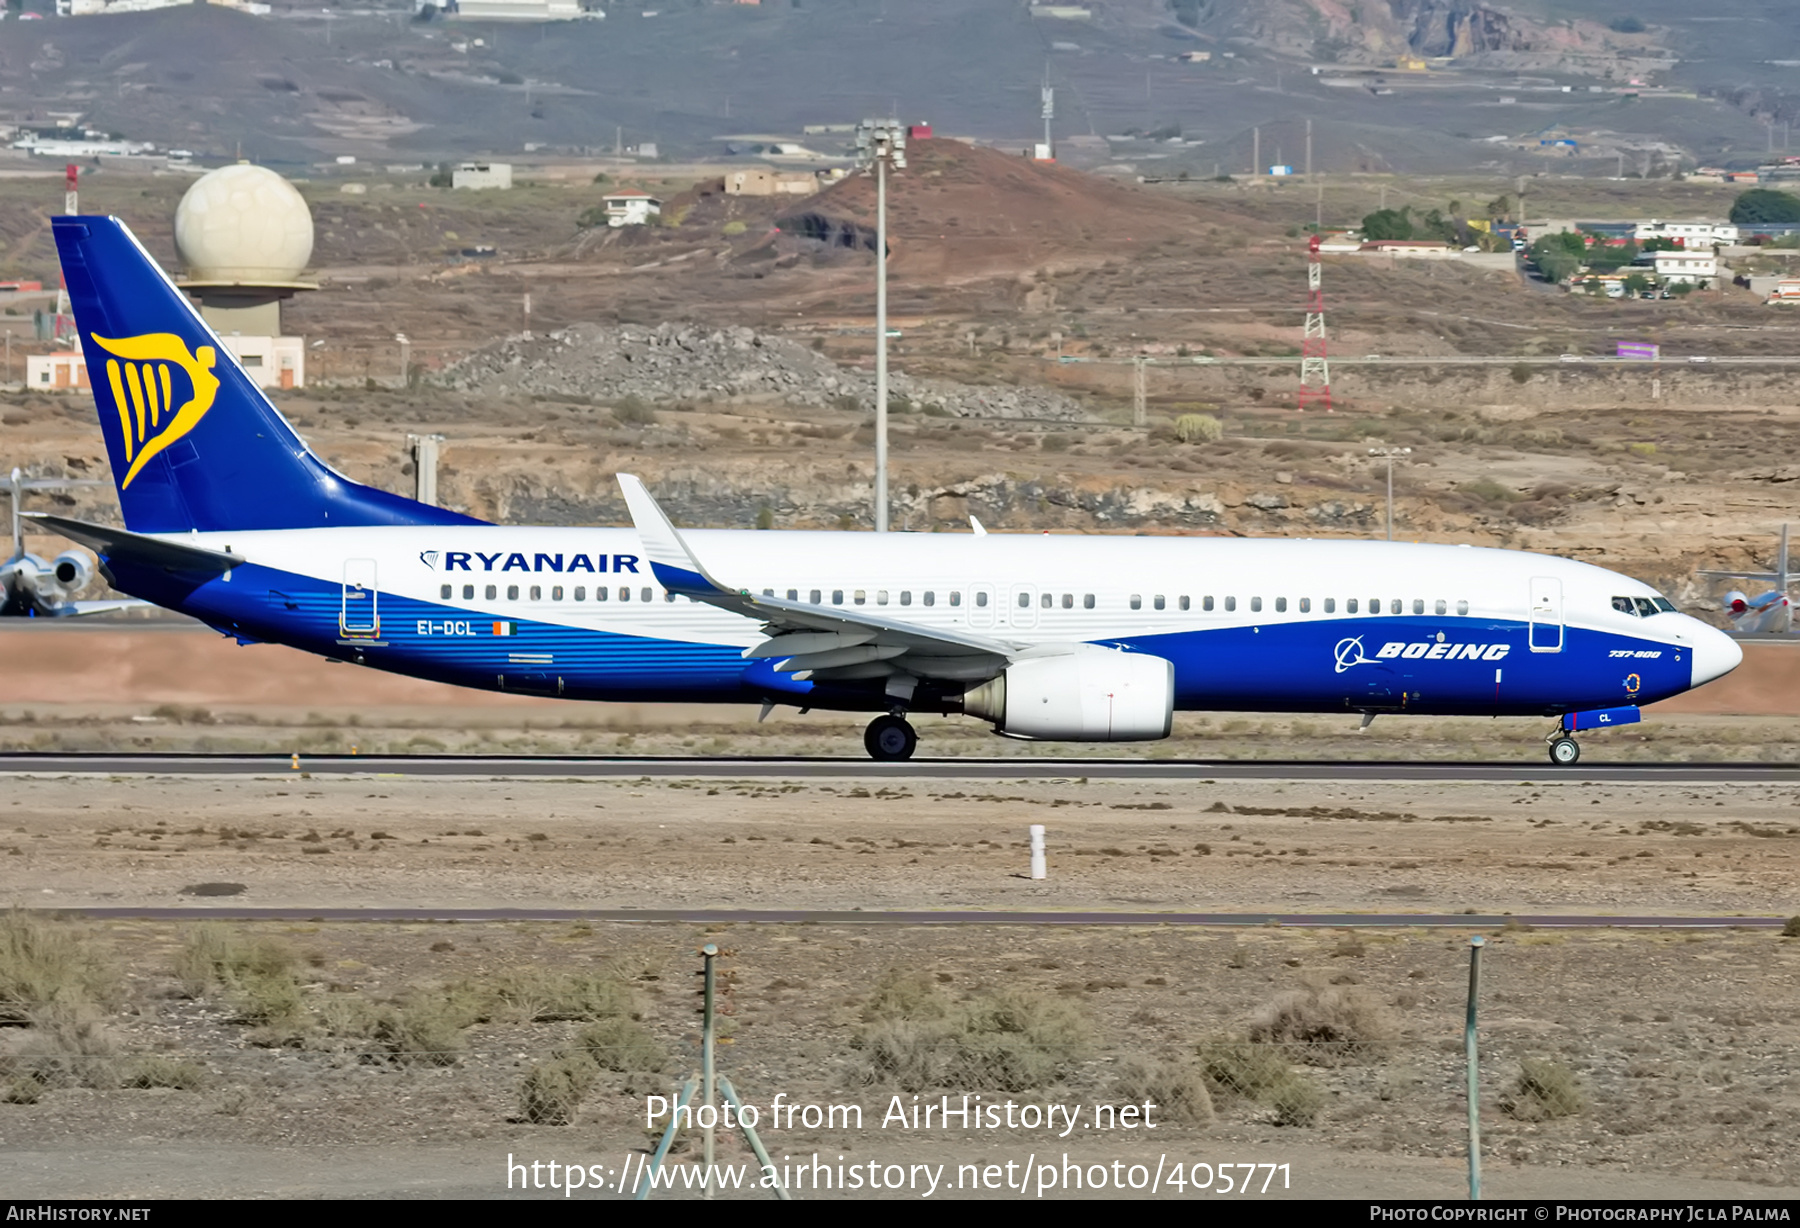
pixel 1564 752
pixel 889 739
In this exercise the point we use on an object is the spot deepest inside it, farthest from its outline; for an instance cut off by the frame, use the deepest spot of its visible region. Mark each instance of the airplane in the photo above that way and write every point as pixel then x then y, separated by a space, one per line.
pixel 32 588
pixel 1771 613
pixel 231 518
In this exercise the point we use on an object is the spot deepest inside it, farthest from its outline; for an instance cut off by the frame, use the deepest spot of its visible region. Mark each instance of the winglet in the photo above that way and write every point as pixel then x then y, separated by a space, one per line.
pixel 674 564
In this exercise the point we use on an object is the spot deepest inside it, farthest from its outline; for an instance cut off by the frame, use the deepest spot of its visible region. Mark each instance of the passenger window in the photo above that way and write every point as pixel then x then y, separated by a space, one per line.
pixel 556 593
pixel 930 597
pixel 1184 603
pixel 1418 605
pixel 881 596
pixel 1350 606
pixel 444 591
pixel 1087 601
pixel 1281 605
pixel 1306 605
pixel 669 597
pixel 624 593
pixel 580 592
pixel 1256 605
pixel 1230 604
pixel 861 596
pixel 1137 601
pixel 491 592
pixel 537 593
pixel 1462 607
pixel 1157 601
pixel 600 593
pixel 816 595
pixel 1442 606
pixel 512 592
pixel 1331 605
pixel 1068 601
pixel 956 598
pixel 1206 603
pixel 1395 606
pixel 837 596
pixel 1047 600
pixel 768 592
pixel 905 596
pixel 468 592
pixel 644 595
pixel 793 594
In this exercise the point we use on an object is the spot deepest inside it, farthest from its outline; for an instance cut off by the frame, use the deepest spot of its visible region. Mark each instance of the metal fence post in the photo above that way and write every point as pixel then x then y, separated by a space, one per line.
pixel 1039 868
pixel 1474 1064
pixel 707 1076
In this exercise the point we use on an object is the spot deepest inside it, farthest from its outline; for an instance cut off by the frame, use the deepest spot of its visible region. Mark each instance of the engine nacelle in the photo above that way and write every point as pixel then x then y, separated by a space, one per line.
pixel 71 571
pixel 1086 694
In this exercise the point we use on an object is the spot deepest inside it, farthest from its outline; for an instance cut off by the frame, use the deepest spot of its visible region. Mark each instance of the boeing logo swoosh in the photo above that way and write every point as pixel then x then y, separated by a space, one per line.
pixel 1349 652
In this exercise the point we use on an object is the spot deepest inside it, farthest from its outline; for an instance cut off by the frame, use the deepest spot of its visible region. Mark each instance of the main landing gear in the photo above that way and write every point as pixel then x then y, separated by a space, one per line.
pixel 890 739
pixel 1564 750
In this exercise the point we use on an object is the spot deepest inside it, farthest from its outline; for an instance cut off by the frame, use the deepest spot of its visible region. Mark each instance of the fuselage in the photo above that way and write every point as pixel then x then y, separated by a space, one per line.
pixel 1251 625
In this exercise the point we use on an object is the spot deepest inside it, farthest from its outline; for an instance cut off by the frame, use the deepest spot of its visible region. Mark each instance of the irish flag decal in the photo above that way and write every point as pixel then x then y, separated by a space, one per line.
pixel 506 628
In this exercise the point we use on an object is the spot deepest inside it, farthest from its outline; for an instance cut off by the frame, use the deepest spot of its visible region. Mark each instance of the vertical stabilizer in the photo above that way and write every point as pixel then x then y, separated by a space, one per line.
pixel 194 443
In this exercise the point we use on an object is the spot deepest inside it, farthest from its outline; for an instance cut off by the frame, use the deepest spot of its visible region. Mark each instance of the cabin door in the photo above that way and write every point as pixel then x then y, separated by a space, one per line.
pixel 359 617
pixel 1546 614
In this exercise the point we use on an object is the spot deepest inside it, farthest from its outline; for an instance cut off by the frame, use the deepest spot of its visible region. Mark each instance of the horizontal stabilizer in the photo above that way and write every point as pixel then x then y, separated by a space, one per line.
pixel 131 547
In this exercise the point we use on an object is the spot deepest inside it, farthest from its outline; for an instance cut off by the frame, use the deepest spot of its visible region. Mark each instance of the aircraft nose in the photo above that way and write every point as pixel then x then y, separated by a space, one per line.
pixel 1715 654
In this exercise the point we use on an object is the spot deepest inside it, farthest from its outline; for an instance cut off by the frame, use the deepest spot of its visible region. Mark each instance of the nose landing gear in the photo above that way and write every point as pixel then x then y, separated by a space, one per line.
pixel 889 739
pixel 1564 750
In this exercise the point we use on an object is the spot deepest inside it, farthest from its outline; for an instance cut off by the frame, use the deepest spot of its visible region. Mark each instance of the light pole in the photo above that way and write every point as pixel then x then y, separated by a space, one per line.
pixel 1389 454
pixel 881 141
pixel 404 344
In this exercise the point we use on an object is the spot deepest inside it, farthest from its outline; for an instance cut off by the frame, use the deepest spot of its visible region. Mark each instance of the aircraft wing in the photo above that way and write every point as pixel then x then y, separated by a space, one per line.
pixel 828 641
pixel 79 609
pixel 137 548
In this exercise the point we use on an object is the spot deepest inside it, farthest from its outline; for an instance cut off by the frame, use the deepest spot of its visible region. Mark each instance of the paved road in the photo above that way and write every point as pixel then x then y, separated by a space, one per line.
pixel 734 916
pixel 1529 769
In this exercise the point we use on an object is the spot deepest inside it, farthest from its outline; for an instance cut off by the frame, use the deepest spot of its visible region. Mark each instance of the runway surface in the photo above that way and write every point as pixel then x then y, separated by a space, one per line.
pixel 1533 770
pixel 735 916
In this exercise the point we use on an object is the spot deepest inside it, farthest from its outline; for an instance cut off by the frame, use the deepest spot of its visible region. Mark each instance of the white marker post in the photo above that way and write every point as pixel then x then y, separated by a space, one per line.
pixel 1038 868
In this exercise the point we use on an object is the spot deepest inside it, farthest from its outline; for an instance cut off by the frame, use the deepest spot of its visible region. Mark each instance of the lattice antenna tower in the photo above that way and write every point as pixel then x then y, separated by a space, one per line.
pixel 1315 370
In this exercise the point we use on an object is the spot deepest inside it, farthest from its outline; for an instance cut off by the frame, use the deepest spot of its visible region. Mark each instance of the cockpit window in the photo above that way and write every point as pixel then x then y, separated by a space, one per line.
pixel 1646 607
pixel 1624 606
pixel 1643 607
pixel 1665 605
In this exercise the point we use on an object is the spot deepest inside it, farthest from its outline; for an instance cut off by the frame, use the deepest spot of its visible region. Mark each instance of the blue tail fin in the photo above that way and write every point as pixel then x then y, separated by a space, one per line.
pixel 194 443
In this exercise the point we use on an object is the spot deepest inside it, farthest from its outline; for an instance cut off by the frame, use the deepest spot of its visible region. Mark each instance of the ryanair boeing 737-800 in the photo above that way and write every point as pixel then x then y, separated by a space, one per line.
pixel 231 519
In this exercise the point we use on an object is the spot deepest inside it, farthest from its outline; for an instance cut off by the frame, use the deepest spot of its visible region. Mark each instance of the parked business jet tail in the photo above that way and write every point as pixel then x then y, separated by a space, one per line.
pixel 194 444
pixel 1769 613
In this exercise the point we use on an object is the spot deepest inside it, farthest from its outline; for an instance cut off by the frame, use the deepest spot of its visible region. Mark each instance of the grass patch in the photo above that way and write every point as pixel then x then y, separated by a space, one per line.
pixel 1544 1089
pixel 916 1037
pixel 621 1044
pixel 1327 1024
pixel 1178 1089
pixel 552 1091
pixel 1260 1073
pixel 45 964
pixel 534 995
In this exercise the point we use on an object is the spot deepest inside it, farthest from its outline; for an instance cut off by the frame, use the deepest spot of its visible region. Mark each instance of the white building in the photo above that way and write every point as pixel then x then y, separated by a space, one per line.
pixel 65 371
pixel 477 175
pixel 1692 267
pixel 631 208
pixel 767 181
pixel 516 10
pixel 273 362
pixel 1688 234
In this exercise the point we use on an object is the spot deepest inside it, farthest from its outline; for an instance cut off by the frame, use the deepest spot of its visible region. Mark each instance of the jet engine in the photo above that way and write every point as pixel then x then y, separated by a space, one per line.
pixel 1082 694
pixel 71 571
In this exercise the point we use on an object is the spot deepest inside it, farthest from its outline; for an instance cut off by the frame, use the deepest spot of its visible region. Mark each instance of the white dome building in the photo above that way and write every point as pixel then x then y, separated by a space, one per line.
pixel 245 235
pixel 243 225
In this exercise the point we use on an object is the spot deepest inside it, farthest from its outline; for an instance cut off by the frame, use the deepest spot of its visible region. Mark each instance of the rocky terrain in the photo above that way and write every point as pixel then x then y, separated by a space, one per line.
pixel 673 363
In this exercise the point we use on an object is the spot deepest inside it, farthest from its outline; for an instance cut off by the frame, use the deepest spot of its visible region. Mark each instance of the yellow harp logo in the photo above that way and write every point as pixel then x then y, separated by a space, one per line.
pixel 144 390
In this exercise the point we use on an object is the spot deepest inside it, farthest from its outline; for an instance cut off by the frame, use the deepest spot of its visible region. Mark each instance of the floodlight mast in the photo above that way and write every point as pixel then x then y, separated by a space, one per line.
pixel 878 143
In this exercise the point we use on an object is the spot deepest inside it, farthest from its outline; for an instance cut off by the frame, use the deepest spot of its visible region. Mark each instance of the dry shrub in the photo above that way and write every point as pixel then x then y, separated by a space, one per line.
pixel 67 1045
pixel 1544 1089
pixel 1792 928
pixel 1009 1040
pixel 552 1091
pixel 1198 428
pixel 1238 1068
pixel 536 995
pixel 45 963
pixel 1297 1101
pixel 159 1071
pixel 621 1045
pixel 1178 1089
pixel 1327 1024
pixel 425 1030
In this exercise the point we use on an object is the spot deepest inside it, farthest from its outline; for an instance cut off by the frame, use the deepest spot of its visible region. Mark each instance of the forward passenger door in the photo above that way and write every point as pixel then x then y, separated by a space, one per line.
pixel 1546 633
